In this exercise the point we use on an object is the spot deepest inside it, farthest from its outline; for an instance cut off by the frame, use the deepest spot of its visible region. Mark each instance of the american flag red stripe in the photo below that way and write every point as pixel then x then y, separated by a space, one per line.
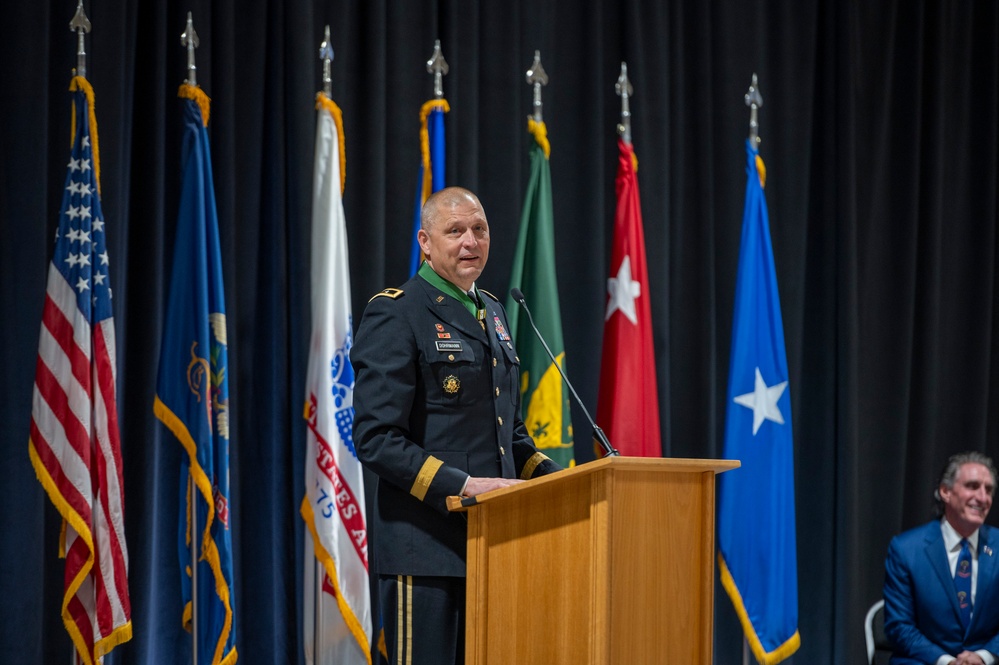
pixel 53 465
pixel 74 443
pixel 64 404
pixel 63 448
pixel 59 326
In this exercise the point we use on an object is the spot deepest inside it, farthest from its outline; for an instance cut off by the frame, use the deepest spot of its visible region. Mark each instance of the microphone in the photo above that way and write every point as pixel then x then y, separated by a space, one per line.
pixel 598 433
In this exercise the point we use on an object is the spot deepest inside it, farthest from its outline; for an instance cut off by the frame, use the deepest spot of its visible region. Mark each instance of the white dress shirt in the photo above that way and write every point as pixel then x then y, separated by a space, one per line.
pixel 952 541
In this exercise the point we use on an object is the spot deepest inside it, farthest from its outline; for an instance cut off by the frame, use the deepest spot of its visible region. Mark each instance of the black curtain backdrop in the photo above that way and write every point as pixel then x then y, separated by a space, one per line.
pixel 880 131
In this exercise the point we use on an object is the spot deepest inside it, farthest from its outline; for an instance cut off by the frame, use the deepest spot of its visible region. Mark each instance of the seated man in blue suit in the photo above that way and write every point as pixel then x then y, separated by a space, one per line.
pixel 941 584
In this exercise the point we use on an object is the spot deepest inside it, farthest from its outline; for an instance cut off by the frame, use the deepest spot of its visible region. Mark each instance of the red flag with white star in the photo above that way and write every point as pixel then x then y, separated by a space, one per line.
pixel 628 407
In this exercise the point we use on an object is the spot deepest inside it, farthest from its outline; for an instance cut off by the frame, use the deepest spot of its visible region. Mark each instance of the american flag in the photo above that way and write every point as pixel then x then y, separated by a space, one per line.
pixel 74 445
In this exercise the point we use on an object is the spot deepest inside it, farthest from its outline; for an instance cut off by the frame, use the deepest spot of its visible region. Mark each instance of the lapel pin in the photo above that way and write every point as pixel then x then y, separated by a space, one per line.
pixel 987 550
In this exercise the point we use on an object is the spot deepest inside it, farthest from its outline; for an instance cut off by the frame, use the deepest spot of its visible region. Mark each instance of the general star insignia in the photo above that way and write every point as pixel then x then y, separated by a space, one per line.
pixel 763 402
pixel 623 292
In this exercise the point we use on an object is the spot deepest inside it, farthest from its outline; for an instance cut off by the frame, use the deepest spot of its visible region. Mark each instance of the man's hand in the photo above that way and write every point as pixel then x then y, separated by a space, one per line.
pixel 479 485
pixel 969 658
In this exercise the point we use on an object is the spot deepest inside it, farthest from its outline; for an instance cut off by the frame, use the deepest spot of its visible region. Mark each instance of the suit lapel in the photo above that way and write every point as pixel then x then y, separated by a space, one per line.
pixel 986 571
pixel 936 552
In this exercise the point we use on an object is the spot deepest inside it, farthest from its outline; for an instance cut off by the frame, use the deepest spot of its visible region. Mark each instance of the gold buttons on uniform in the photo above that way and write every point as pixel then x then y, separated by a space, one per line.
pixel 502 450
pixel 500 420
pixel 494 362
pixel 450 357
pixel 497 392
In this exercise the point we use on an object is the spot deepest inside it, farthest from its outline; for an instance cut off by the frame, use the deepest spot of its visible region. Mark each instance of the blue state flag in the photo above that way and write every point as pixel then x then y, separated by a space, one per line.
pixel 756 532
pixel 192 394
pixel 431 176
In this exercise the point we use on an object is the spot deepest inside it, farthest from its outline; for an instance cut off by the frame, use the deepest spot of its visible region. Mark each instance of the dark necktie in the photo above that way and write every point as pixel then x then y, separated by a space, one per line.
pixel 962 582
pixel 481 316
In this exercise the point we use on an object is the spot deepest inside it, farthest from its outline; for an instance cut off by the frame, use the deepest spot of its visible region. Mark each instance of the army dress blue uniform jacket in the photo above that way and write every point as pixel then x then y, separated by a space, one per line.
pixel 922 619
pixel 436 399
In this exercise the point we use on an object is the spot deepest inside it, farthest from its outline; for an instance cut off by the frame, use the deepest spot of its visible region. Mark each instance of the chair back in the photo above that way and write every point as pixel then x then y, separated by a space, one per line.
pixel 878 646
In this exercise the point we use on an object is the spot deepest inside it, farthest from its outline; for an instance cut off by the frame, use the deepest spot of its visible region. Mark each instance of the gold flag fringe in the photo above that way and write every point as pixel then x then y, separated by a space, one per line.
pixel 428 176
pixel 761 169
pixel 80 84
pixel 198 96
pixel 540 133
pixel 324 102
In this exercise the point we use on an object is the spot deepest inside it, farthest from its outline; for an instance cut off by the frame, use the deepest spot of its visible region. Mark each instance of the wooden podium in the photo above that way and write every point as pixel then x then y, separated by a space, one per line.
pixel 608 562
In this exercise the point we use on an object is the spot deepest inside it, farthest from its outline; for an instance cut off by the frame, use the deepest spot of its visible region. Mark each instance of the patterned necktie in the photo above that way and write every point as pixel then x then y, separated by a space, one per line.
pixel 962 582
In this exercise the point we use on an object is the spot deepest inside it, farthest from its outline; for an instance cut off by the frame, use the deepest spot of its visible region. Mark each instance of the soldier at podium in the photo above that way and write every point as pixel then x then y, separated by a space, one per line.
pixel 437 414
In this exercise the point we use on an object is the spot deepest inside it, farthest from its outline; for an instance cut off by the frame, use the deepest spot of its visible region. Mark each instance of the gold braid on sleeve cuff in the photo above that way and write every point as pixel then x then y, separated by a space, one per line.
pixel 532 464
pixel 425 477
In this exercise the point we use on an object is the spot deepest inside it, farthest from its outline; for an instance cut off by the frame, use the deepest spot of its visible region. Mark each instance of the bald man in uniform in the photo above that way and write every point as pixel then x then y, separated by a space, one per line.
pixel 437 414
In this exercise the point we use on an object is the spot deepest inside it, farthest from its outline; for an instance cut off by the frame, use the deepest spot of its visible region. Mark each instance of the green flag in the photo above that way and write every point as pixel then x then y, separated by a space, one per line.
pixel 545 400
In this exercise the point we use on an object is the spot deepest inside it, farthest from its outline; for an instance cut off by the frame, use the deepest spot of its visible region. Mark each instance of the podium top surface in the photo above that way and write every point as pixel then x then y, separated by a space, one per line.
pixel 659 464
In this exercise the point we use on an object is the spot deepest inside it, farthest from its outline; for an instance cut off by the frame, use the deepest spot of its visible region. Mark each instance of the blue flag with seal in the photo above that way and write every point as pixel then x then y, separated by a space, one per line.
pixel 192 394
pixel 431 177
pixel 756 530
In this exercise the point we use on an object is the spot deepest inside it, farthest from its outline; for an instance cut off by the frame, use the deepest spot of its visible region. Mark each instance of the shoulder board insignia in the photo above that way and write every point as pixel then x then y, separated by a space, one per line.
pixel 388 293
pixel 489 294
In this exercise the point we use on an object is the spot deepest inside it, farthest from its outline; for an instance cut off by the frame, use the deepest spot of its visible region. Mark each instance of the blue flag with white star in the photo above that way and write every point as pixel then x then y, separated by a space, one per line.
pixel 756 531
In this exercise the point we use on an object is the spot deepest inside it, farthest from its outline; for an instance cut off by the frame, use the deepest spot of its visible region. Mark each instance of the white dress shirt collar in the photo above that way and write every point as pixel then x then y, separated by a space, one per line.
pixel 952 539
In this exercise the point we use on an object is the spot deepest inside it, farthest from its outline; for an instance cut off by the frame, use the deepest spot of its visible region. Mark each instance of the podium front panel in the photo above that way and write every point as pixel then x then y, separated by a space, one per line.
pixel 611 566
pixel 532 590
pixel 662 556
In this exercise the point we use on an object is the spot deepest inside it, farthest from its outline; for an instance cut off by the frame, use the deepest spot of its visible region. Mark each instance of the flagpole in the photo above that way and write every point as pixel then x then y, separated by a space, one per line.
pixel 316 621
pixel 194 568
pixel 437 66
pixel 189 39
pixel 624 90
pixel 326 55
pixel 79 24
pixel 318 635
pixel 537 77
pixel 319 647
pixel 754 100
